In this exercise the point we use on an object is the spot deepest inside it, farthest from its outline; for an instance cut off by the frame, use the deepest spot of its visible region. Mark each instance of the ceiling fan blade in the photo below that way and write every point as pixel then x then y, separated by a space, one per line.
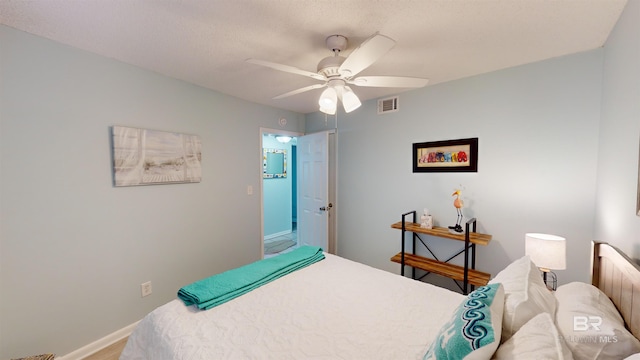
pixel 389 81
pixel 286 68
pixel 366 54
pixel 301 90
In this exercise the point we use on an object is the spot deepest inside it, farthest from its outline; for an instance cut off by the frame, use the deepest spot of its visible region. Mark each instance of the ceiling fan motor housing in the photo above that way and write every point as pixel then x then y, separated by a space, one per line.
pixel 329 66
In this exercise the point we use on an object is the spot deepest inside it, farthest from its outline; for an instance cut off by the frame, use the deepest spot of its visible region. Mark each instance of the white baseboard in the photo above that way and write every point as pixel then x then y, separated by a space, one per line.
pixel 269 237
pixel 99 344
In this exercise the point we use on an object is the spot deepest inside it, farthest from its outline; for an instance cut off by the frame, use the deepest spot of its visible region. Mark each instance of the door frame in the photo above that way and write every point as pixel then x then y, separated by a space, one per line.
pixel 333 191
pixel 332 179
pixel 333 185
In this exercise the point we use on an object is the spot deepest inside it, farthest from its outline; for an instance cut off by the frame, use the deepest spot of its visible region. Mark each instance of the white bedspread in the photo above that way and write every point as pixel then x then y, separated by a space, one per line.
pixel 334 309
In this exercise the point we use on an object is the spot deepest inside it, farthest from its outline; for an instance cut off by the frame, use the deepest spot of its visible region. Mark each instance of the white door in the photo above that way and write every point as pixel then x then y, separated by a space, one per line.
pixel 313 190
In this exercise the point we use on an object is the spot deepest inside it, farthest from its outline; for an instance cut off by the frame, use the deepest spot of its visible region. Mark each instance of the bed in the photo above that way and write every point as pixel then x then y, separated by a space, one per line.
pixel 340 309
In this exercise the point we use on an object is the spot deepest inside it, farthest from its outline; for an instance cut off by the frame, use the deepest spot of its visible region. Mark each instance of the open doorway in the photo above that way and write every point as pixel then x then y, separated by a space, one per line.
pixel 279 213
pixel 302 208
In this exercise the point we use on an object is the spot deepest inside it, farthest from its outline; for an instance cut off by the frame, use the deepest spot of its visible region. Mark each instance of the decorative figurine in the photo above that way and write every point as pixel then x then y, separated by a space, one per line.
pixel 458 204
pixel 426 220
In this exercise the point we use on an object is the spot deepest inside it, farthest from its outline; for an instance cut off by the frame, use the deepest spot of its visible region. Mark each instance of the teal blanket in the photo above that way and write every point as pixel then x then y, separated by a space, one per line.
pixel 220 288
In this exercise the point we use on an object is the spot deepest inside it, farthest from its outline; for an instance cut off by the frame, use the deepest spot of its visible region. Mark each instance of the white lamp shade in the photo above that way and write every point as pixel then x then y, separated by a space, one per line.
pixel 548 252
pixel 349 100
pixel 329 110
pixel 328 99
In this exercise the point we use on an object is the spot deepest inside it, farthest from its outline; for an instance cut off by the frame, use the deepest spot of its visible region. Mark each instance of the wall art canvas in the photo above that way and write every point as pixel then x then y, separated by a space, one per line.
pixel 149 157
pixel 460 155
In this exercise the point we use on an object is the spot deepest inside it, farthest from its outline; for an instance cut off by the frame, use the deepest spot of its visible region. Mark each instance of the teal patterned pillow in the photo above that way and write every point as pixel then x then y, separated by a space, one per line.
pixel 475 328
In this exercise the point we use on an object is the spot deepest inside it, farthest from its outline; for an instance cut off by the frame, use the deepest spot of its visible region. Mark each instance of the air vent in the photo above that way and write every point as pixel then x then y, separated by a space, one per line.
pixel 388 105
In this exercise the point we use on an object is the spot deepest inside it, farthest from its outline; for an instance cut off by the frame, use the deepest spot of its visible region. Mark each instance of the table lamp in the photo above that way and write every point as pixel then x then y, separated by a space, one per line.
pixel 548 252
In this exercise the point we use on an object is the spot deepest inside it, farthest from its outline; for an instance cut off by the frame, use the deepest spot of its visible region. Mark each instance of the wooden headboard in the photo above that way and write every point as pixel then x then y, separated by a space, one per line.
pixel 618 276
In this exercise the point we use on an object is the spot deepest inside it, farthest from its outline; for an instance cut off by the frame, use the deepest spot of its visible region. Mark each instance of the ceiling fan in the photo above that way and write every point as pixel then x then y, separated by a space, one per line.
pixel 338 72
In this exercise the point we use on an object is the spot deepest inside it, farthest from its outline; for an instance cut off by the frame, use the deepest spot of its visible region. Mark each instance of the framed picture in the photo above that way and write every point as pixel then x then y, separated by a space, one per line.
pixel 274 163
pixel 148 157
pixel 459 155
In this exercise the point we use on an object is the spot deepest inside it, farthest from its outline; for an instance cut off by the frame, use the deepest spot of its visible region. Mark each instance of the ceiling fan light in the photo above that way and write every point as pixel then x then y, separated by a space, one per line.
pixel 328 99
pixel 328 110
pixel 349 100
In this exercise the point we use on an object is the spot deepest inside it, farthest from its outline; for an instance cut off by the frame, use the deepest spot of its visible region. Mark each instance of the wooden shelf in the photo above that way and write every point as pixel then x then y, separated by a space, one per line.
pixel 474 238
pixel 467 273
pixel 456 272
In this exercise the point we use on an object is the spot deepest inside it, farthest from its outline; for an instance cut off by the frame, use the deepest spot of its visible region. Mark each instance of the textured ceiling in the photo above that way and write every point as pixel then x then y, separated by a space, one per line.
pixel 206 42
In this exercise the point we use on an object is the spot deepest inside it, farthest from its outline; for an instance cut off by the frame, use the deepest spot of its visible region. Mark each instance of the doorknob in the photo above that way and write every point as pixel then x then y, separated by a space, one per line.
pixel 326 208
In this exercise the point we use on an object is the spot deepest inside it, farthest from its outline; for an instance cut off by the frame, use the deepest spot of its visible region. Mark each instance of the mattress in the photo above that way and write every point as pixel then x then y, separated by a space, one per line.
pixel 334 309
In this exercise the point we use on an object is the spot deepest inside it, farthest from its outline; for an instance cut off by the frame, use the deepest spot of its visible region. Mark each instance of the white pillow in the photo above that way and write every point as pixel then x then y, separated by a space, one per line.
pixel 474 329
pixel 525 295
pixel 591 325
pixel 537 339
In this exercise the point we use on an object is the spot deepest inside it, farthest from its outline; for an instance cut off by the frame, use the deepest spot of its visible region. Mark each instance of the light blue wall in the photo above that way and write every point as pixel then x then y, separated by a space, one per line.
pixel 277 194
pixel 74 249
pixel 616 219
pixel 538 137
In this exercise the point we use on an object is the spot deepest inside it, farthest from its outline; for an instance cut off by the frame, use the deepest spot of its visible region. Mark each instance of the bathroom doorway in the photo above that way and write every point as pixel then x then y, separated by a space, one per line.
pixel 282 194
pixel 279 192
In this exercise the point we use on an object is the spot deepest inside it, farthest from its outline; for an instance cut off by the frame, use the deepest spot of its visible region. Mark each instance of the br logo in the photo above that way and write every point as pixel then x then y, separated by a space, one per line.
pixel 585 323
